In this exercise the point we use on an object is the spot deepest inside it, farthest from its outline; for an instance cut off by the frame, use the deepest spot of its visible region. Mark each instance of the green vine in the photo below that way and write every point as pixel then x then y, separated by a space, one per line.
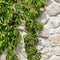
pixel 31 11
pixel 12 12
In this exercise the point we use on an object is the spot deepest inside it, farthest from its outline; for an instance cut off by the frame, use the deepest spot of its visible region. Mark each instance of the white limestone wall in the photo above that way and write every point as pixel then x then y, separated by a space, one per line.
pixel 49 38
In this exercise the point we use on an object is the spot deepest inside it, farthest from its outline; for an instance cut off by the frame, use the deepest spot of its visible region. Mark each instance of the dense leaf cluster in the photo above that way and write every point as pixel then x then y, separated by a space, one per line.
pixel 11 14
pixel 9 35
pixel 31 11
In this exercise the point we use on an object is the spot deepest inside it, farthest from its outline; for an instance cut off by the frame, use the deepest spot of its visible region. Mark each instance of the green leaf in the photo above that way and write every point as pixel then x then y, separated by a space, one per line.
pixel 36 56
pixel 31 50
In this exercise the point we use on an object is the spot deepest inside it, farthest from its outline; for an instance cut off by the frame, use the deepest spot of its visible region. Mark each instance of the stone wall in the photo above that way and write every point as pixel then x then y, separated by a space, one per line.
pixel 49 38
pixel 49 43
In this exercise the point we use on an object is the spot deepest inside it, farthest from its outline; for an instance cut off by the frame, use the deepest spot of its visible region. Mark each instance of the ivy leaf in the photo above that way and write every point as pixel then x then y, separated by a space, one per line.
pixel 31 50
pixel 11 55
pixel 36 56
pixel 38 26
pixel 31 39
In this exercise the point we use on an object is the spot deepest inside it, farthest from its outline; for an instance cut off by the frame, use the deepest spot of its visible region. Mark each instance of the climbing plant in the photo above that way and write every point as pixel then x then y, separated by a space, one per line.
pixel 12 12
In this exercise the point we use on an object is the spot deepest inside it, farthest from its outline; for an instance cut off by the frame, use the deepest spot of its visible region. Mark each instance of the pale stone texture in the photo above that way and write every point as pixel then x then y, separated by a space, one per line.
pixel 57 1
pixel 53 9
pixel 55 58
pixel 44 33
pixel 47 52
pixel 57 51
pixel 54 22
pixel 49 2
pixel 57 30
pixel 55 39
pixel 50 36
pixel 44 18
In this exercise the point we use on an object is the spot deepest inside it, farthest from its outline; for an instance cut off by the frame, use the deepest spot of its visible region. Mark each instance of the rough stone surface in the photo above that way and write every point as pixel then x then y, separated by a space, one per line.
pixel 55 39
pixel 57 30
pixel 55 58
pixel 57 51
pixel 57 1
pixel 49 38
pixel 54 22
pixel 53 9
pixel 44 33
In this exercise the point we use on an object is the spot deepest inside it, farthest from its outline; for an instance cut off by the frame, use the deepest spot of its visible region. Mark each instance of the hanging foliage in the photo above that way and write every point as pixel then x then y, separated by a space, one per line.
pixel 11 14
